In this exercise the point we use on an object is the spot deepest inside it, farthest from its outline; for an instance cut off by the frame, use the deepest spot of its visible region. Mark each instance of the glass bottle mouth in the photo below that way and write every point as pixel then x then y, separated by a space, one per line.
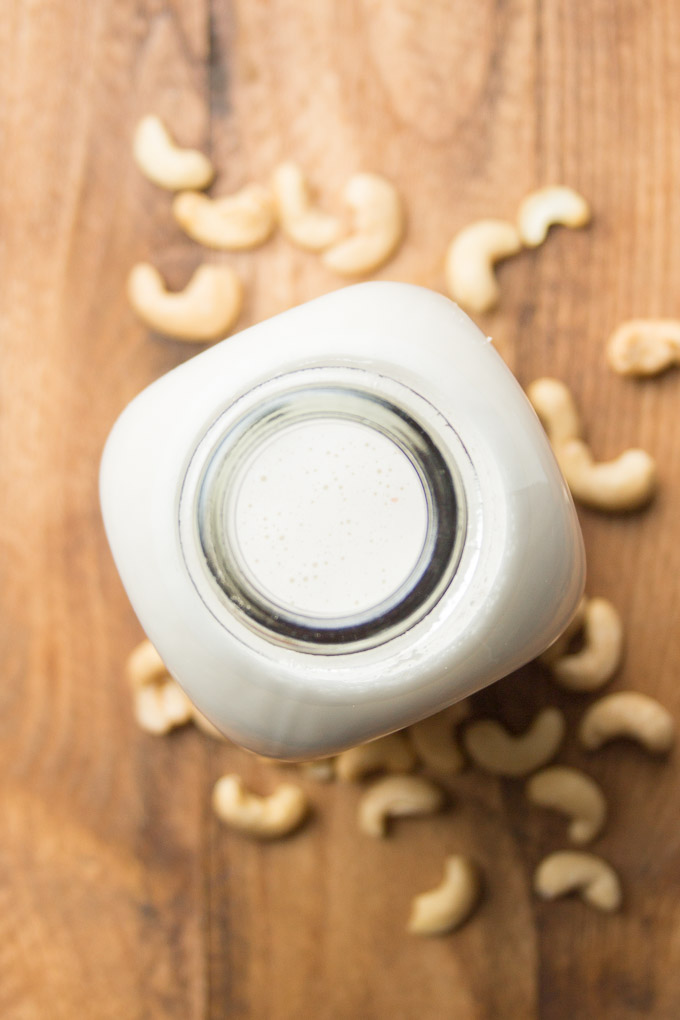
pixel 328 517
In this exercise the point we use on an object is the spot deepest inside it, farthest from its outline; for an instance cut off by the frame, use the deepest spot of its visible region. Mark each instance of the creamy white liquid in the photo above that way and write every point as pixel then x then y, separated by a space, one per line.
pixel 330 517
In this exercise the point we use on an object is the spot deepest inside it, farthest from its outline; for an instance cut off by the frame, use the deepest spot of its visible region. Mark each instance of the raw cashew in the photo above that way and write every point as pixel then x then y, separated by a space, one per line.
pixel 628 714
pixel 243 220
pixel 434 741
pixel 162 706
pixel 553 403
pixel 206 309
pixel 300 220
pixel 164 162
pixel 548 206
pixel 598 660
pixel 470 262
pixel 392 753
pixel 569 871
pixel 560 645
pixel 625 483
pixel 264 817
pixel 494 749
pixel 397 796
pixel 449 905
pixel 644 346
pixel 144 665
pixel 378 226
pixel 575 794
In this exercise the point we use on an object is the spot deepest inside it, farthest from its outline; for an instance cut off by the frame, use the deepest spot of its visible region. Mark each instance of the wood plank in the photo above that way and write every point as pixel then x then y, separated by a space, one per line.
pixel 121 894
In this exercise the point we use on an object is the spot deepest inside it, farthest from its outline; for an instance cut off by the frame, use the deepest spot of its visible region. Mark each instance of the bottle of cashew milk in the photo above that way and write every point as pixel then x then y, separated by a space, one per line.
pixel 340 521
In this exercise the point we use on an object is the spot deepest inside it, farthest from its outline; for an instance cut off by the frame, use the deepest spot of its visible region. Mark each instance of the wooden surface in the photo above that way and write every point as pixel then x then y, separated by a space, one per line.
pixel 120 895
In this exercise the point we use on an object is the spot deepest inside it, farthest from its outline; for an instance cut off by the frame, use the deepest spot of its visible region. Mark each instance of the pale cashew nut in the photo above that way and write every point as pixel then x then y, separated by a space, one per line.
pixel 263 817
pixel 434 741
pixel 553 403
pixel 573 793
pixel 598 660
pixel 470 262
pixel 206 309
pixel 628 714
pixel 397 796
pixel 448 906
pixel 144 665
pixel 301 222
pixel 162 161
pixel 590 876
pixel 378 226
pixel 392 753
pixel 560 645
pixel 242 220
pixel 644 346
pixel 546 207
pixel 625 483
pixel 495 750
pixel 161 707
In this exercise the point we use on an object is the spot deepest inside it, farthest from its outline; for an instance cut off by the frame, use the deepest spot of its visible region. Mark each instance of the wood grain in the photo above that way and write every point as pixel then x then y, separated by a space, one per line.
pixel 120 895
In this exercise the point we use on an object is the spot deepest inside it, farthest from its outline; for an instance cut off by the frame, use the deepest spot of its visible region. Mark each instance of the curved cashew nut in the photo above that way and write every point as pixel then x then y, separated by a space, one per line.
pixel 397 796
pixel 644 346
pixel 164 162
pixel 570 871
pixel 625 483
pixel 263 817
pixel 628 714
pixel 598 660
pixel 206 309
pixel 495 750
pixel 300 220
pixel 378 226
pixel 449 905
pixel 159 703
pixel 470 262
pixel 553 403
pixel 549 206
pixel 575 794
pixel 234 222
pixel 144 665
pixel 560 645
pixel 434 741
pixel 392 753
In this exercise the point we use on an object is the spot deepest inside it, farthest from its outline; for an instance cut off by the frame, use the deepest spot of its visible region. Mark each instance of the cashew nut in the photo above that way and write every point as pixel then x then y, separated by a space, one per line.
pixel 494 749
pixel 243 220
pixel 397 796
pixel 263 817
pixel 644 346
pixel 161 706
pixel 449 905
pixel 300 220
pixel 575 794
pixel 560 645
pixel 392 753
pixel 164 162
pixel 434 741
pixel 553 403
pixel 470 262
pixel 625 483
pixel 598 660
pixel 206 309
pixel 378 226
pixel 569 871
pixel 144 665
pixel 549 206
pixel 628 714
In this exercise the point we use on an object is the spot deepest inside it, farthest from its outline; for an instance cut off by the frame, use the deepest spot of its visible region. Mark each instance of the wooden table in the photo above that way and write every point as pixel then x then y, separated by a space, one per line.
pixel 122 896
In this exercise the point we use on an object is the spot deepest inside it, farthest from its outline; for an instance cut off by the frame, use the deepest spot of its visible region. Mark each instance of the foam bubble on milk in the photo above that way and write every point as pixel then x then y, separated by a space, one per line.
pixel 330 517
